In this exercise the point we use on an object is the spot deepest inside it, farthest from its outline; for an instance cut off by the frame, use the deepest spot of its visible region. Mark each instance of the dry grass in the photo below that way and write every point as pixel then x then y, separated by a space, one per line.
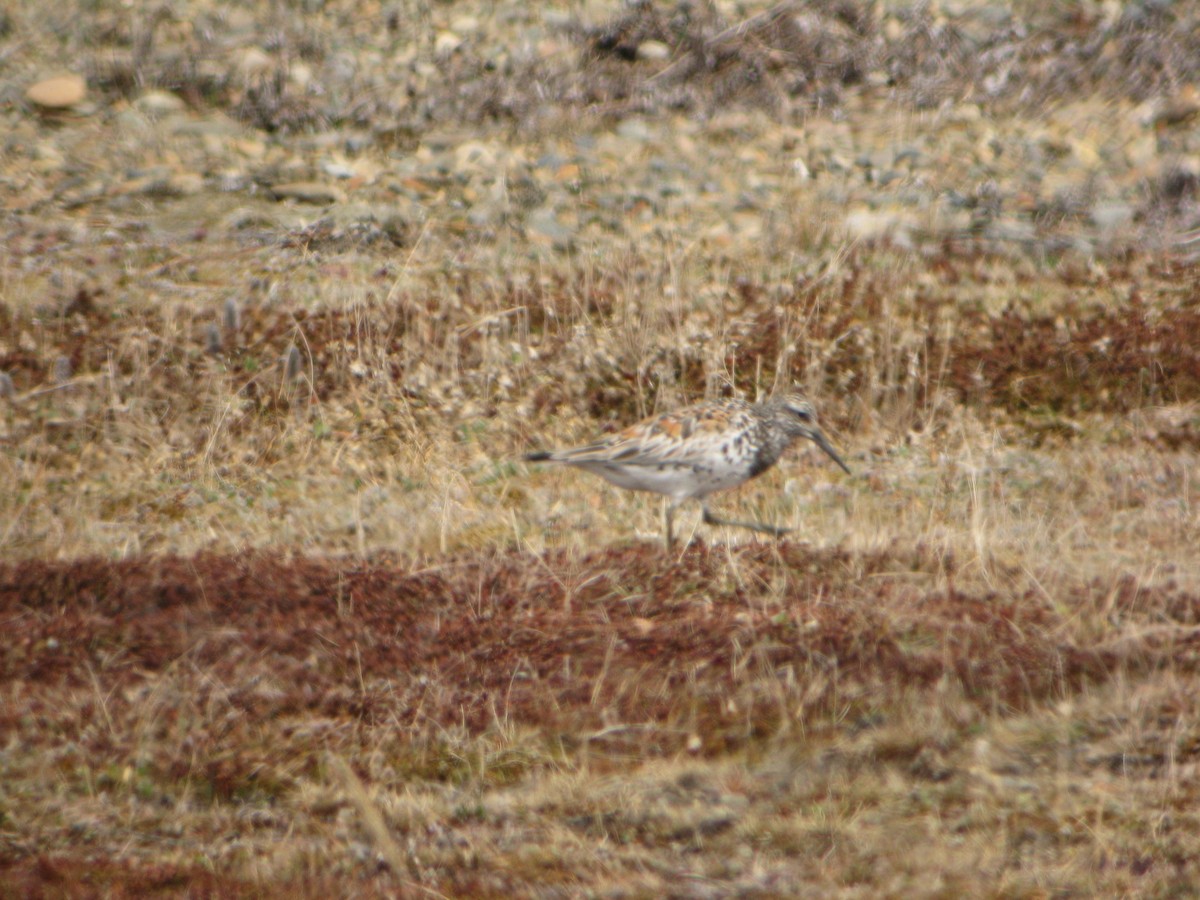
pixel 394 423
pixel 286 616
pixel 770 720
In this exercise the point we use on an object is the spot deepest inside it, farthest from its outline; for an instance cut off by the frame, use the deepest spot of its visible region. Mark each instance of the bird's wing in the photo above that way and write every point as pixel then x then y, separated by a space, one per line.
pixel 673 438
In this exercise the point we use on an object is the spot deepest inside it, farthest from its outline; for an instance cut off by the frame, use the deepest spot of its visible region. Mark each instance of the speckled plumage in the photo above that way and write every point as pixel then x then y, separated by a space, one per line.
pixel 693 452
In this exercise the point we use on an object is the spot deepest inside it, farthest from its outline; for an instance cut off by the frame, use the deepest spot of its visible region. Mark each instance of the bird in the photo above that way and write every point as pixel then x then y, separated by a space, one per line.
pixel 689 453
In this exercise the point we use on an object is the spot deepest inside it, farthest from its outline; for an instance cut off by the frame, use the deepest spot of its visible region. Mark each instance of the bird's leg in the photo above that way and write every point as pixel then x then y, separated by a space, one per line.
pixel 760 527
pixel 669 523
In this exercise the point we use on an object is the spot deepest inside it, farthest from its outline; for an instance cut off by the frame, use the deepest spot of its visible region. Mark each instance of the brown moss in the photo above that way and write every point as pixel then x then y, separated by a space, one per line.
pixel 80 877
pixel 555 643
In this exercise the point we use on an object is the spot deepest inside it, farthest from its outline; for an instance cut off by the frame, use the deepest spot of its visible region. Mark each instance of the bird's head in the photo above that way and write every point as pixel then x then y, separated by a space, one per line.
pixel 797 418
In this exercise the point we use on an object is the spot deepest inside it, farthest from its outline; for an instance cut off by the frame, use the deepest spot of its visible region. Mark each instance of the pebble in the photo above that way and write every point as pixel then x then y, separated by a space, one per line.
pixel 623 175
pixel 874 224
pixel 336 169
pixel 216 125
pixel 300 75
pixel 446 43
pixel 476 156
pixel 1011 230
pixel 545 227
pixel 966 114
pixel 308 192
pixel 185 184
pixel 252 62
pixel 634 128
pixel 344 216
pixel 653 51
pixel 62 370
pixel 61 92
pixel 250 218
pixel 1180 109
pixel 1085 153
pixel 1112 216
pixel 158 103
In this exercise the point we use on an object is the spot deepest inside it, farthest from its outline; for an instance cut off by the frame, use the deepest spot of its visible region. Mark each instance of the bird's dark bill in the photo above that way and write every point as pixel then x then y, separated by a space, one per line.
pixel 821 441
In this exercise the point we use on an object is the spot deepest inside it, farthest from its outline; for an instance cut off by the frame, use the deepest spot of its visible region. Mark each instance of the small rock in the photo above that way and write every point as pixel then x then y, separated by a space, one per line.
pixel 62 92
pixel 62 370
pixel 446 43
pixel 158 103
pixel 180 184
pixel 634 129
pixel 216 127
pixel 212 339
pixel 1085 153
pixel 47 158
pixel 337 169
pixel 837 163
pixel 252 62
pixel 231 315
pixel 476 156
pixel 187 184
pixel 252 148
pixel 1011 229
pixel 1141 151
pixel 251 218
pixel 552 48
pixel 544 227
pixel 291 363
pixel 966 114
pixel 300 75
pixel 486 214
pixel 342 216
pixel 653 51
pixel 1112 216
pixel 1179 109
pixel 308 192
pixel 876 224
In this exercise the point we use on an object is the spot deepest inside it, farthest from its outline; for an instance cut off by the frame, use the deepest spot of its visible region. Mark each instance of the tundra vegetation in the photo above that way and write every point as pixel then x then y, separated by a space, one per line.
pixel 288 289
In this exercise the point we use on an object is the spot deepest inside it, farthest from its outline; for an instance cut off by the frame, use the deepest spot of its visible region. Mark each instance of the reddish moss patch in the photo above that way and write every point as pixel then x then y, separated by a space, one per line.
pixel 556 643
pixel 1112 359
pixel 229 679
pixel 79 877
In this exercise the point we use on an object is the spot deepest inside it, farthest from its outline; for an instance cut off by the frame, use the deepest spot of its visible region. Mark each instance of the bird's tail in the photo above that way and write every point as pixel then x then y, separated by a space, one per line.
pixel 539 456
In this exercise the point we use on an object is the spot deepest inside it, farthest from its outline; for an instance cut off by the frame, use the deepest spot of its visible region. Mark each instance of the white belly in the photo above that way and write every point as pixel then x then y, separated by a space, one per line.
pixel 680 482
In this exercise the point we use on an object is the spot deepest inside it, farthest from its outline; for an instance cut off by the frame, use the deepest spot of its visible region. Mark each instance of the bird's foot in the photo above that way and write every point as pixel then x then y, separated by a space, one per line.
pixel 760 527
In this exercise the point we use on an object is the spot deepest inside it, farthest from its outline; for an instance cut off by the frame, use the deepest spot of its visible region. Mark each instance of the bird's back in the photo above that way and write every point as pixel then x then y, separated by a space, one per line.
pixel 685 453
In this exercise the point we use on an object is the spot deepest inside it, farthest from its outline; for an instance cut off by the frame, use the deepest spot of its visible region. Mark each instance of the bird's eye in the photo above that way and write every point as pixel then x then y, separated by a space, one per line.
pixel 802 415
